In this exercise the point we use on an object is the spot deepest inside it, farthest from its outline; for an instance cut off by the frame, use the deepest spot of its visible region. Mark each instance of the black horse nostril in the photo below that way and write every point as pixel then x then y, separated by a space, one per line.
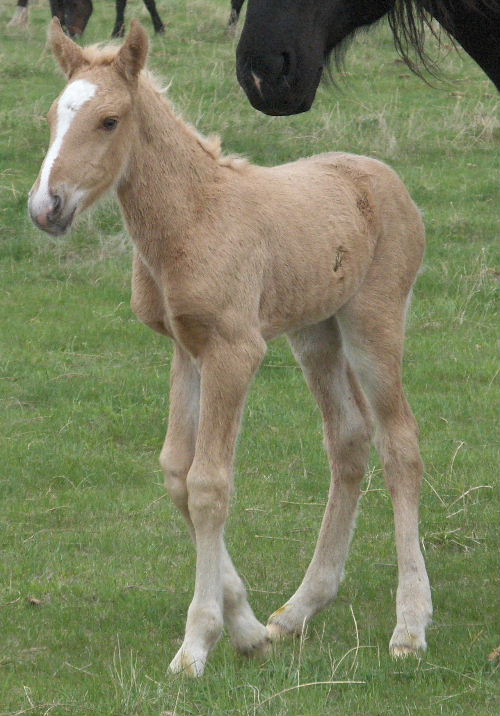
pixel 270 67
pixel 285 70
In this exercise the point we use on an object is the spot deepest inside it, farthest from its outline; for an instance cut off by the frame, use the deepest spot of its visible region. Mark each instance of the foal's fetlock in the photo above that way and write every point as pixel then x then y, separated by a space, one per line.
pixel 283 622
pixel 407 642
pixel 203 630
pixel 189 662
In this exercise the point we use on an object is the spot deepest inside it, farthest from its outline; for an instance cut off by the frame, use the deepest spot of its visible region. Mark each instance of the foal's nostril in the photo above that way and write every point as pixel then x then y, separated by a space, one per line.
pixel 56 207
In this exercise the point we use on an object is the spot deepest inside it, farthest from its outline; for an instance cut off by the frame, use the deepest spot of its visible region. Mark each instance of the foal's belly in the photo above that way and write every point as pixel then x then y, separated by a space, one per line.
pixel 320 240
pixel 312 286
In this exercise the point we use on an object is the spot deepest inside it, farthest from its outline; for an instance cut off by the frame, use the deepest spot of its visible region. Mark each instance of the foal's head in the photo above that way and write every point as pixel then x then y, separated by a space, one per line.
pixel 91 127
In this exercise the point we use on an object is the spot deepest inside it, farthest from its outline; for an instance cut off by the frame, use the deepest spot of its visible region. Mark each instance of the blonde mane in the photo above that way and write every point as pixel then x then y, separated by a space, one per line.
pixel 100 54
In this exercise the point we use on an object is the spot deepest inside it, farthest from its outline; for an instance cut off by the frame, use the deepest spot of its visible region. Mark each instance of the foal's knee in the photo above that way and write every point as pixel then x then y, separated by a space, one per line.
pixel 349 447
pixel 400 453
pixel 175 474
pixel 208 495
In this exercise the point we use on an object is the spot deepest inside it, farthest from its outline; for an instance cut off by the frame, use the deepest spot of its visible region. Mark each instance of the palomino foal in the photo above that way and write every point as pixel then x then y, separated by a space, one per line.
pixel 228 255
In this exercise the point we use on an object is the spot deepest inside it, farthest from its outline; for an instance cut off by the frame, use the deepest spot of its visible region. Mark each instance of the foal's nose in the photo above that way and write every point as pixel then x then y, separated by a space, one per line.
pixel 48 213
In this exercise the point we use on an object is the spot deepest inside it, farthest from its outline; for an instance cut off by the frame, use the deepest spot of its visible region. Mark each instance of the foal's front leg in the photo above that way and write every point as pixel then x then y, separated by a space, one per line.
pixel 247 634
pixel 226 373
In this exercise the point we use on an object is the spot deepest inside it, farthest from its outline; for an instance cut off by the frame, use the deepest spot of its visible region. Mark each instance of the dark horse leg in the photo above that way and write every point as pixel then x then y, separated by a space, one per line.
pixel 157 23
pixel 20 18
pixel 119 28
pixel 57 10
pixel 235 14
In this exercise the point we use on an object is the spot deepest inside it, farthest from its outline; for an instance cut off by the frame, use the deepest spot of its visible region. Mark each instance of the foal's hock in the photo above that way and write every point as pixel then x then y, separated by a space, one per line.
pixel 228 255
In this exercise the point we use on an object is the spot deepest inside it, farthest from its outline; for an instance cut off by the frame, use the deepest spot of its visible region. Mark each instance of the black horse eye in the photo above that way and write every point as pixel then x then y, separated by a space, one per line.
pixel 109 123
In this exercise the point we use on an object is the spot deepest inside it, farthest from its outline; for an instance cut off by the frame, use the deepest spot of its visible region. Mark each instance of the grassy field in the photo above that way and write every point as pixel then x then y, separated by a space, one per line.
pixel 96 570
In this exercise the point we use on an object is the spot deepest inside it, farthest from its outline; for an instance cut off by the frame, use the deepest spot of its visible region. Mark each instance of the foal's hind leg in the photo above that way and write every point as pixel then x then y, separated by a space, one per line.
pixel 374 335
pixel 347 436
pixel 247 634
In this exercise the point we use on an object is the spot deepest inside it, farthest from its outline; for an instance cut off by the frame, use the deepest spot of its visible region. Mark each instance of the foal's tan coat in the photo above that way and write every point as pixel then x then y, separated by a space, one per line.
pixel 227 256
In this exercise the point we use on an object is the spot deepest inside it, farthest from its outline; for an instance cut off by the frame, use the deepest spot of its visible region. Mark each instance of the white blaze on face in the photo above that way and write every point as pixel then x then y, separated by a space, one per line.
pixel 73 98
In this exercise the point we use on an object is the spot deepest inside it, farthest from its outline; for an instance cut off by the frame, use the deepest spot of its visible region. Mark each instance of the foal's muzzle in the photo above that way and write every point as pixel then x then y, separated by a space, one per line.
pixel 51 214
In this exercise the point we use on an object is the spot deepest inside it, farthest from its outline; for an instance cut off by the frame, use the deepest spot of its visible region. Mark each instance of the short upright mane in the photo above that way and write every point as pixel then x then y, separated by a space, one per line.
pixel 101 54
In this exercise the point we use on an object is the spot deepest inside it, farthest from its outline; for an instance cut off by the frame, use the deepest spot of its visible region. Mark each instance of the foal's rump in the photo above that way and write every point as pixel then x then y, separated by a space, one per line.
pixel 400 242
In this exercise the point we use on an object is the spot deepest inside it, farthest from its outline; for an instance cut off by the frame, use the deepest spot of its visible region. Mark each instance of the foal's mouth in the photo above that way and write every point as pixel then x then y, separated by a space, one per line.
pixel 56 227
pixel 53 212
pixel 62 225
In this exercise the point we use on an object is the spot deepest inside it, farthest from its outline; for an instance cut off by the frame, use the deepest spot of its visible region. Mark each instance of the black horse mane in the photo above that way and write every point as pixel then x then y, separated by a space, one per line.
pixel 410 22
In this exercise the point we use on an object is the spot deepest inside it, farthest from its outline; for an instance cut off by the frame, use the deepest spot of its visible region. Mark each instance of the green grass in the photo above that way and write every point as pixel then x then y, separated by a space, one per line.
pixel 96 570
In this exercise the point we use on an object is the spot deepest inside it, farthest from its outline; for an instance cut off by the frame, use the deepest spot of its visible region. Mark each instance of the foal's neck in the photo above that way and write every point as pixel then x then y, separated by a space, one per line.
pixel 172 178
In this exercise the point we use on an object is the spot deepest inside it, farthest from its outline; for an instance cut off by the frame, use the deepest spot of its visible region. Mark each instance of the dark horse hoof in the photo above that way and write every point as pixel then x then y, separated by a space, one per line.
pixel 232 23
pixel 118 31
pixel 160 30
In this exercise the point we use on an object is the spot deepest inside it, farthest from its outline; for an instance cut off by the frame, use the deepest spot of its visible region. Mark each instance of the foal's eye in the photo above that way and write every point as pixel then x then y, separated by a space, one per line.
pixel 109 123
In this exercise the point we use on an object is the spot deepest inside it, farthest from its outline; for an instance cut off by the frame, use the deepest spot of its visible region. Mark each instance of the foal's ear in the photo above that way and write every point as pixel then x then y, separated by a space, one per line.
pixel 67 53
pixel 134 52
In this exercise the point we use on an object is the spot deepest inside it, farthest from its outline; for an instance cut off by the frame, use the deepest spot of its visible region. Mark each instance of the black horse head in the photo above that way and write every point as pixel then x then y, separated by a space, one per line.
pixel 284 47
pixel 285 44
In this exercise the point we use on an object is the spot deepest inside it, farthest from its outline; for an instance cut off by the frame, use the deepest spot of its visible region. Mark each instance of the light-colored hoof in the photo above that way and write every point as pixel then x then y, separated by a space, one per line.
pixel 249 637
pixel 277 632
pixel 186 663
pixel 404 643
pixel 279 626
pixel 260 650
pixel 401 652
